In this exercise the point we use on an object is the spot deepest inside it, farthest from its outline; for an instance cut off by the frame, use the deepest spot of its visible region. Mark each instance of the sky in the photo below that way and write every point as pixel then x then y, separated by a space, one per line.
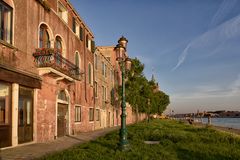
pixel 191 46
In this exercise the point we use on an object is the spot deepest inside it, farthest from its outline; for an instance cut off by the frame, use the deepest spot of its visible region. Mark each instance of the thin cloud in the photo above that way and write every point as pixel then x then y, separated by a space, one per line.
pixel 212 38
pixel 224 9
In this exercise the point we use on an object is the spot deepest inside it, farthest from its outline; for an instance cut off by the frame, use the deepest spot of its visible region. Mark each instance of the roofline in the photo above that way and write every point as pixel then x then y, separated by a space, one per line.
pixel 105 46
pixel 80 18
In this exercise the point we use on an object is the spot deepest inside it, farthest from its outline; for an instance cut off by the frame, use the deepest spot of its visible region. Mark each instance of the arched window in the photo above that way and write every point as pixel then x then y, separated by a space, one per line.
pixel 58 44
pixel 44 39
pixel 90 74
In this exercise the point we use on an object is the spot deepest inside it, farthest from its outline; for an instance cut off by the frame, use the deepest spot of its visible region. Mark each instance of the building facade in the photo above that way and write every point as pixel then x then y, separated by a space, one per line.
pixel 51 83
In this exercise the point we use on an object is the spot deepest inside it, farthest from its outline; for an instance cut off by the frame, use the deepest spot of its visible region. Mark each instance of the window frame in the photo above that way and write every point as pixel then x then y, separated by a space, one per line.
pixel 98 114
pixel 63 9
pixel 44 37
pixel 95 89
pixel 7 113
pixel 4 34
pixel 78 113
pixel 91 114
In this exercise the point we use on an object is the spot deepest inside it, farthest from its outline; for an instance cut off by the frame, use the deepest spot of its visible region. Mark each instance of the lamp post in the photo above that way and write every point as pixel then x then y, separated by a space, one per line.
pixel 125 64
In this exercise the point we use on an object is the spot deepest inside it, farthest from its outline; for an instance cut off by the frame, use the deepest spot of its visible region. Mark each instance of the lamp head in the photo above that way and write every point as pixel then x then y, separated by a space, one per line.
pixel 120 52
pixel 123 41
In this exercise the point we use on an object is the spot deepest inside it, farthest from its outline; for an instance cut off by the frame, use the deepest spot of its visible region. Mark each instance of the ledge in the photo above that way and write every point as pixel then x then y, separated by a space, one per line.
pixel 7 44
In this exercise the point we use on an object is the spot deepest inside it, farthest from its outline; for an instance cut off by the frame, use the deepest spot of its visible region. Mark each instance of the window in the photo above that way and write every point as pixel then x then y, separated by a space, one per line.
pixel 90 77
pixel 96 61
pixel 95 89
pixel 89 44
pixel 103 102
pixel 103 68
pixel 58 44
pixel 78 114
pixel 103 97
pixel 81 33
pixel 75 27
pixel 97 114
pixel 6 16
pixel 87 41
pixel 104 93
pixel 92 48
pixel 62 12
pixel 91 118
pixel 44 40
pixel 62 96
pixel 77 63
pixel 5 103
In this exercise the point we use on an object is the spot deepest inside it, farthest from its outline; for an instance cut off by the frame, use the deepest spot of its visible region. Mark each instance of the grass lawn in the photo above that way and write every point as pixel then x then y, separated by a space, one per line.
pixel 178 141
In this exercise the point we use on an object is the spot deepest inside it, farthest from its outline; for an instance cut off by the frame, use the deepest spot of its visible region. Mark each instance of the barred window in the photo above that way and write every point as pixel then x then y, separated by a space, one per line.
pixel 78 114
pixel 91 118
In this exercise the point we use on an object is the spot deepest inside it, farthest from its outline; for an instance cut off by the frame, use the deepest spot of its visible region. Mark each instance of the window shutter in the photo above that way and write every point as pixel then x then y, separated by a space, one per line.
pixel 87 41
pixel 81 34
pixel 93 46
pixel 74 25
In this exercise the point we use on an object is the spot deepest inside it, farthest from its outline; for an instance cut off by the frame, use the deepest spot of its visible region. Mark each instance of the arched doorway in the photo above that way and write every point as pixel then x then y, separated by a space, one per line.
pixel 62 114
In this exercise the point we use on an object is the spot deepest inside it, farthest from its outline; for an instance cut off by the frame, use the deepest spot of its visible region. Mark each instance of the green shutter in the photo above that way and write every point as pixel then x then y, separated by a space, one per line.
pixel 93 46
pixel 81 34
pixel 87 41
pixel 74 25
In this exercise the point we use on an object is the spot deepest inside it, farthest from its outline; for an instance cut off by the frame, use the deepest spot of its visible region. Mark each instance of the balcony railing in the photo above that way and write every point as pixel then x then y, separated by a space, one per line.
pixel 48 57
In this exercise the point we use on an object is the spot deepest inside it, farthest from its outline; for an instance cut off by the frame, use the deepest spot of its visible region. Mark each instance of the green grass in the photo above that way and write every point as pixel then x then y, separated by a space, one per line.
pixel 177 142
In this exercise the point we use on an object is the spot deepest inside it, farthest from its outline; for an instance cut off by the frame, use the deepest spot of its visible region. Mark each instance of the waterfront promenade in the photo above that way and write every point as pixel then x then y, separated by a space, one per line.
pixel 37 150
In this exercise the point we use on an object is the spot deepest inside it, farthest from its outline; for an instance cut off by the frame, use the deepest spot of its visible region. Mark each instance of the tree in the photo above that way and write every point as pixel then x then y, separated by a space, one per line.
pixel 139 91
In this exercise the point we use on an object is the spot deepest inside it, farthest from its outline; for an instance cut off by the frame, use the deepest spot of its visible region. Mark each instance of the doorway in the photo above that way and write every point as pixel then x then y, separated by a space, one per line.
pixel 25 115
pixel 62 120
pixel 62 114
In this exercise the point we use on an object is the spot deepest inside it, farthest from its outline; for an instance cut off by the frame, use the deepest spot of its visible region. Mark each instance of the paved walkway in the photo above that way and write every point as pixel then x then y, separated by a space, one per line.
pixel 37 150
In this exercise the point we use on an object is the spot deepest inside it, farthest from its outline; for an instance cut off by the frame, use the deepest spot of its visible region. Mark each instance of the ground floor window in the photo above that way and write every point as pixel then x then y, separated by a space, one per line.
pixel 91 114
pixel 5 114
pixel 97 114
pixel 5 107
pixel 78 114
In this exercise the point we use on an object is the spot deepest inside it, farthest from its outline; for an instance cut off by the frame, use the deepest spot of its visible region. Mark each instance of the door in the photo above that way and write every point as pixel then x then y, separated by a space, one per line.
pixel 62 120
pixel 25 115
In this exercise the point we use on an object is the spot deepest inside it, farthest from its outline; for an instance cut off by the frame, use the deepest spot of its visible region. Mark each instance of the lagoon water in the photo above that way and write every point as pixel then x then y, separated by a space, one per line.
pixel 225 122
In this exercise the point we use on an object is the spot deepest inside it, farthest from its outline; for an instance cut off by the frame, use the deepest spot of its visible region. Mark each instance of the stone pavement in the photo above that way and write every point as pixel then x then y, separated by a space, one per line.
pixel 37 150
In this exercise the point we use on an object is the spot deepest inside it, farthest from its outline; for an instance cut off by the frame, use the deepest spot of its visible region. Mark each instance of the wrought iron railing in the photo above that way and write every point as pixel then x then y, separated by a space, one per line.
pixel 48 57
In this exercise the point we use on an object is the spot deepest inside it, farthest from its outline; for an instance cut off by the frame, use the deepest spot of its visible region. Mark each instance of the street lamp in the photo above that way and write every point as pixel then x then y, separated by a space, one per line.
pixel 125 64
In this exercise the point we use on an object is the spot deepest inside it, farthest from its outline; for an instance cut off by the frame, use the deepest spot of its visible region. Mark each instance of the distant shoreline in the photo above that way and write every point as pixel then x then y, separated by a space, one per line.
pixel 219 128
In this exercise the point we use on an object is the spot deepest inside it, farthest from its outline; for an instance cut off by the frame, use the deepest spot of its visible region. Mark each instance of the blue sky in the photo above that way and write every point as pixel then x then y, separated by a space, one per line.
pixel 191 46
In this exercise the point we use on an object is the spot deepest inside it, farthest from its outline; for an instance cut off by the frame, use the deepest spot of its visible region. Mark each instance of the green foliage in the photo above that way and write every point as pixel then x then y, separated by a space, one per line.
pixel 139 91
pixel 177 142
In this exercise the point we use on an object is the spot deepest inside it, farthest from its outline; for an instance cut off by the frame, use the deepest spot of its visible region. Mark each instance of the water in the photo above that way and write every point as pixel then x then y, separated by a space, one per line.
pixel 224 122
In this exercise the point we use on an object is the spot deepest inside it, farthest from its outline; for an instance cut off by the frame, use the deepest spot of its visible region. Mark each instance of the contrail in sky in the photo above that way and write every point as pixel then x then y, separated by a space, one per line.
pixel 217 34
pixel 224 9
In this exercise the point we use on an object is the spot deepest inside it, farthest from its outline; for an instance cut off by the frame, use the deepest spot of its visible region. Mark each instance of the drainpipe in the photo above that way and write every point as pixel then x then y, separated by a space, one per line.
pixel 85 77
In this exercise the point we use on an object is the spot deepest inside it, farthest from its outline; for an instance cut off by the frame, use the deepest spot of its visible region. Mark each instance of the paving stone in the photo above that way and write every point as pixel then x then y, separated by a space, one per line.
pixel 37 150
